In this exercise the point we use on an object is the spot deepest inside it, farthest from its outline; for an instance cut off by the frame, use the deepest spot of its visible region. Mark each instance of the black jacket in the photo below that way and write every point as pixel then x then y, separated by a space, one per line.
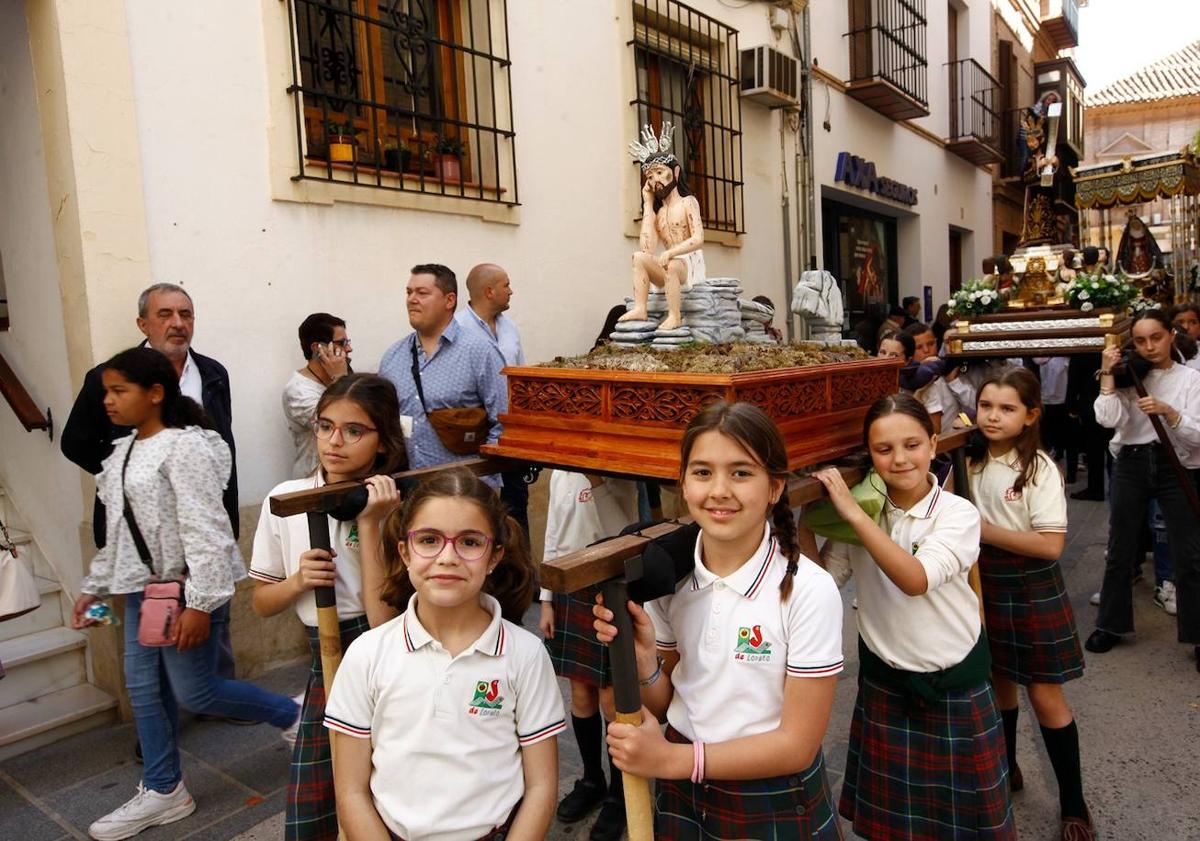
pixel 88 437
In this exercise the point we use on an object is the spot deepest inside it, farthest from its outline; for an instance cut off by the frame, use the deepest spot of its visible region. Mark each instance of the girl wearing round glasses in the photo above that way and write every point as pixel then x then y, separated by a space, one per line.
pixel 357 435
pixel 450 678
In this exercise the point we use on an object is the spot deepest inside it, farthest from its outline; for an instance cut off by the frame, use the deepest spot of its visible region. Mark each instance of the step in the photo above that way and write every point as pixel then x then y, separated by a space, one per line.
pixel 49 614
pixel 40 663
pixel 32 724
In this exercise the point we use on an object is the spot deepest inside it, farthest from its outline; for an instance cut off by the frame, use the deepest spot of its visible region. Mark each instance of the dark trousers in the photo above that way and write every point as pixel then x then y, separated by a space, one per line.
pixel 1095 446
pixel 515 495
pixel 1054 429
pixel 1143 473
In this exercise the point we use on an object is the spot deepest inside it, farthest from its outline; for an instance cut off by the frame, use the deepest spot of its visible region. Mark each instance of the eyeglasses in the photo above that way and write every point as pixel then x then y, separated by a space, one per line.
pixel 429 543
pixel 342 343
pixel 352 433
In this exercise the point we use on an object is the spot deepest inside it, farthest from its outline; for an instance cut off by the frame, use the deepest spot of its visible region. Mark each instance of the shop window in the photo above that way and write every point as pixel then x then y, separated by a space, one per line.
pixel 407 95
pixel 686 66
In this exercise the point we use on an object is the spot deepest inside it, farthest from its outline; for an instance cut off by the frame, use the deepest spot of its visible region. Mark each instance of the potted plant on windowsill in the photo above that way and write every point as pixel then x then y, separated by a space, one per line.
pixel 341 142
pixel 449 152
pixel 396 157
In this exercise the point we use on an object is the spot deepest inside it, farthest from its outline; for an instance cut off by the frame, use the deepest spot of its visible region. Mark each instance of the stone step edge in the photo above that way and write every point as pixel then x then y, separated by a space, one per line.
pixel 54 709
pixel 41 645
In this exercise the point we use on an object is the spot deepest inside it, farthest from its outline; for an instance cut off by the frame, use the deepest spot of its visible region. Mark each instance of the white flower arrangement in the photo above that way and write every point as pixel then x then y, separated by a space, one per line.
pixel 976 297
pixel 1091 291
pixel 1140 305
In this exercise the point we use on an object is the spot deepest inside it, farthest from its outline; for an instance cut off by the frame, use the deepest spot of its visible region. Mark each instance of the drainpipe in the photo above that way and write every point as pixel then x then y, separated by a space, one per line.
pixel 785 207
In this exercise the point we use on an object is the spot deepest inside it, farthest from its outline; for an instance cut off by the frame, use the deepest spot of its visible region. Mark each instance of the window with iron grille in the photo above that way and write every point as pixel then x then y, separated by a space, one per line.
pixel 405 95
pixel 686 66
pixel 887 41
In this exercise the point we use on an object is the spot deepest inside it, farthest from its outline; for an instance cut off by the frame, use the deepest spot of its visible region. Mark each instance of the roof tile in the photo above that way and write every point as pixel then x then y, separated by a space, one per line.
pixel 1174 76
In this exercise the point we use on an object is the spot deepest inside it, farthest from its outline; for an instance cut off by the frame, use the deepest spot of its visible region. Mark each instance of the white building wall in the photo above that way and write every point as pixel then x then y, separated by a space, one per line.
pixel 951 191
pixel 44 485
pixel 256 266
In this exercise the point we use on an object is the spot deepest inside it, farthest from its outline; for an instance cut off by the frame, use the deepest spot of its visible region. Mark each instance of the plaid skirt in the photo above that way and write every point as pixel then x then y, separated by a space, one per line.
pixel 311 813
pixel 797 806
pixel 1030 624
pixel 574 649
pixel 934 772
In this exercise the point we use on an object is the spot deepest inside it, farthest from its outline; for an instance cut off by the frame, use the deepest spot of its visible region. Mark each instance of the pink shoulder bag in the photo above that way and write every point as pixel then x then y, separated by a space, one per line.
pixel 162 600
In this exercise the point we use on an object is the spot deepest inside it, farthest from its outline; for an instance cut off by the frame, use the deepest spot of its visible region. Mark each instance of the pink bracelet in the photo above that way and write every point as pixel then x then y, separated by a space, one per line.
pixel 697 762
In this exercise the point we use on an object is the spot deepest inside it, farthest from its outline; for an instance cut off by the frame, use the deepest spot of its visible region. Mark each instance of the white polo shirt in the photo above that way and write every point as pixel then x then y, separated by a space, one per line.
pixel 446 733
pixel 738 642
pixel 579 515
pixel 936 396
pixel 937 629
pixel 1039 506
pixel 279 542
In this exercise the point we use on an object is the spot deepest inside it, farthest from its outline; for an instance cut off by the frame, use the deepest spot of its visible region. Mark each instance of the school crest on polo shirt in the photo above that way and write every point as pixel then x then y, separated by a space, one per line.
pixel 751 647
pixel 487 701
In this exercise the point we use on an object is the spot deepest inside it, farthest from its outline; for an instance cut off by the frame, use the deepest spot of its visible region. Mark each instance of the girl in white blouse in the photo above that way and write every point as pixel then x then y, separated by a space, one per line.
pixel 1142 472
pixel 171 472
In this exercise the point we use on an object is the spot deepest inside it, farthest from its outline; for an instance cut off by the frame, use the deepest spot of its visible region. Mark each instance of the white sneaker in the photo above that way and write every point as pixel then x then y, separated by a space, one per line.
pixel 1095 599
pixel 147 808
pixel 289 735
pixel 1164 597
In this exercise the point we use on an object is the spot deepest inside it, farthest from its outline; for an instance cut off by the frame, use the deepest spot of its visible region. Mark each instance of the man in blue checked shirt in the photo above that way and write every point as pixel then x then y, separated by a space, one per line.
pixel 459 368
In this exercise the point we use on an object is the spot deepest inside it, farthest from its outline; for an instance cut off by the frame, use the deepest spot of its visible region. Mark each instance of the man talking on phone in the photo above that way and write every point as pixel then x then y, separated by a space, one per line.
pixel 326 348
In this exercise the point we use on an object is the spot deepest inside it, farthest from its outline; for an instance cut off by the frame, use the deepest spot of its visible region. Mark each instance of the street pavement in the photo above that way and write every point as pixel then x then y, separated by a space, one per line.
pixel 1138 709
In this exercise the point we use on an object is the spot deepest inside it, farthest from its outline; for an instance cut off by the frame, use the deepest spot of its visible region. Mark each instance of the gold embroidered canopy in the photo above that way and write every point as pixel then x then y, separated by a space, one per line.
pixel 1133 181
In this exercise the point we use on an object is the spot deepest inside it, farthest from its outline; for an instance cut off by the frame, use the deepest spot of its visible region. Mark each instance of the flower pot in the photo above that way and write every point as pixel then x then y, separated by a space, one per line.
pixel 450 168
pixel 341 149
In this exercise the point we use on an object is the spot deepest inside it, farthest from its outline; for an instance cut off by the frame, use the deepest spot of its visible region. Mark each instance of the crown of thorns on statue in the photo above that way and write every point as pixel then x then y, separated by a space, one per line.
pixel 654 150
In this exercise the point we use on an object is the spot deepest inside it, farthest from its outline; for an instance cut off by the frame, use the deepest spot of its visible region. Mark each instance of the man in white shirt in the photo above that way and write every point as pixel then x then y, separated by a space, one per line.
pixel 490 293
pixel 326 348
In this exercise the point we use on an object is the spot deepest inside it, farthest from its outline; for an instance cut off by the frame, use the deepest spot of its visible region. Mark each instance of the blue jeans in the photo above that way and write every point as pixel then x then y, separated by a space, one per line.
pixel 156 677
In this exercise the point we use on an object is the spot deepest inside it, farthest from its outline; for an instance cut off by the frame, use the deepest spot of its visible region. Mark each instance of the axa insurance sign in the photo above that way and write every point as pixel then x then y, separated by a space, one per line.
pixel 860 174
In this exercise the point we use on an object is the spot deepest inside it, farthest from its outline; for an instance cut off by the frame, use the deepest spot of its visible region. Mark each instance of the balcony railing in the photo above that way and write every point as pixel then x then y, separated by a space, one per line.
pixel 974 117
pixel 1060 20
pixel 888 69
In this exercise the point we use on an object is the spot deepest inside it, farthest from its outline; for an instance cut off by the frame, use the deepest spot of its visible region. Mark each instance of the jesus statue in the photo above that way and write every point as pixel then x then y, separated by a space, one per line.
pixel 670 215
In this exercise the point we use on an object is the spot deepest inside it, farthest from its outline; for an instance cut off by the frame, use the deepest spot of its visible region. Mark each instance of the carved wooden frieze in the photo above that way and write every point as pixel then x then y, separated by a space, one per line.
pixel 860 389
pixel 556 397
pixel 784 401
pixel 667 404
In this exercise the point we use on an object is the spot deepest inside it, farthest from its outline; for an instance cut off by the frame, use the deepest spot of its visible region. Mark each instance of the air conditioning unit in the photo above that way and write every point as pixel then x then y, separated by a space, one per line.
pixel 769 77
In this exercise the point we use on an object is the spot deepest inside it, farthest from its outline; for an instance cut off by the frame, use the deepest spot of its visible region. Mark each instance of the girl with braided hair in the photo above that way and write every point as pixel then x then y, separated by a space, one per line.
pixel 741 661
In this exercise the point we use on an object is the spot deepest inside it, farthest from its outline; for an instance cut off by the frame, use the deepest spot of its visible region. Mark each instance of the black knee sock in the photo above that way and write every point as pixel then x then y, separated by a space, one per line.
pixel 1009 717
pixel 1062 743
pixel 616 789
pixel 590 740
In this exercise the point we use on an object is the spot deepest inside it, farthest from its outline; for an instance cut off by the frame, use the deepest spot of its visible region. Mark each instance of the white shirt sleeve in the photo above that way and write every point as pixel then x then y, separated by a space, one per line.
pixel 201 518
pixel 951 547
pixel 1188 430
pixel 664 634
pixel 1111 409
pixel 1046 497
pixel 931 397
pixel 539 709
pixel 266 556
pixel 814 625
pixel 836 556
pixel 351 705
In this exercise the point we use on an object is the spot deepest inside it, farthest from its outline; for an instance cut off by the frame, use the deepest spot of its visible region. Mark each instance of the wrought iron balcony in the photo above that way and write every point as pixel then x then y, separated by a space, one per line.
pixel 887 57
pixel 1060 20
pixel 974 116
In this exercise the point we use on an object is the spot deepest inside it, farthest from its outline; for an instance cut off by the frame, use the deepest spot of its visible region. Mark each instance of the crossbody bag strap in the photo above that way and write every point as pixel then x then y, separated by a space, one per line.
pixel 139 542
pixel 416 374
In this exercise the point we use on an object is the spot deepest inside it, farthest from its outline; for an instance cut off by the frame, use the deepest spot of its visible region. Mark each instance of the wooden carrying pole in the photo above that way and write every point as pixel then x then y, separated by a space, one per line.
pixel 1181 473
pixel 627 698
pixel 328 635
